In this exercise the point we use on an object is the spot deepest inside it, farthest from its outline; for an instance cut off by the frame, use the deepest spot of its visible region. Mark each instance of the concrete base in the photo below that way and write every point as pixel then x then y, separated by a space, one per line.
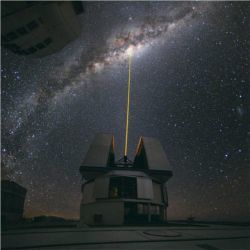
pixel 102 213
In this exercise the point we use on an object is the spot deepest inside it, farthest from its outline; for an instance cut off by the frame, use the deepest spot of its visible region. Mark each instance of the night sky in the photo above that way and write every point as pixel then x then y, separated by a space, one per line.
pixel 189 88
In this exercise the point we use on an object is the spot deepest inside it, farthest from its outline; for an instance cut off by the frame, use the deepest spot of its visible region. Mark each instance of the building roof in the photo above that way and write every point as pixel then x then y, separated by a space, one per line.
pixel 11 186
pixel 101 152
pixel 151 155
pixel 150 158
pixel 39 29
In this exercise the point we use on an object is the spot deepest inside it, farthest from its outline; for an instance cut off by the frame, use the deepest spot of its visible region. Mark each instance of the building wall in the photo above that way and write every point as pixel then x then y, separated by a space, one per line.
pixel 99 188
pixel 144 188
pixel 88 193
pixel 111 212
pixel 165 193
pixel 98 207
pixel 157 193
pixel 12 201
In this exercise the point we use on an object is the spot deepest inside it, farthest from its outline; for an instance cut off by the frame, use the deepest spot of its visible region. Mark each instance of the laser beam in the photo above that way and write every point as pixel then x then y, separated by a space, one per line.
pixel 128 107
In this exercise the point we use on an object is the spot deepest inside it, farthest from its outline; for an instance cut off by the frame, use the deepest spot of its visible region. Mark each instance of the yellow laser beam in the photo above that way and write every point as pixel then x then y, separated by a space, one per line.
pixel 128 106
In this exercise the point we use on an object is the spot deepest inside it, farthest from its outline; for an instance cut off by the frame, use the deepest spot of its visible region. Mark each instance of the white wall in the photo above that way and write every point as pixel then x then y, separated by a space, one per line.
pixel 88 193
pixel 144 188
pixel 101 189
pixel 112 212
pixel 157 193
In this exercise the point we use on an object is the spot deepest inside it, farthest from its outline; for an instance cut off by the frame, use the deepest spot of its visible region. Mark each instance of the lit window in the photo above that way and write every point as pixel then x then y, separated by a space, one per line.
pixel 123 187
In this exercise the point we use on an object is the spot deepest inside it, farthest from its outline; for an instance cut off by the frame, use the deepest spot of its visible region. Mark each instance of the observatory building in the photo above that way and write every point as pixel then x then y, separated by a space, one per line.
pixel 12 201
pixel 124 192
pixel 37 28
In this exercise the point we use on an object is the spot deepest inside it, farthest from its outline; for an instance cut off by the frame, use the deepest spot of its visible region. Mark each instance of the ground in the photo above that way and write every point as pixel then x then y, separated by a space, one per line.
pixel 208 237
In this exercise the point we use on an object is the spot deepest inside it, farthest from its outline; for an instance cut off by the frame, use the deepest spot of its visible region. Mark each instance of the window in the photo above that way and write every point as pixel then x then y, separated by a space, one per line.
pixel 25 52
pixel 30 2
pixel 18 52
pixel 32 25
pixel 40 20
pixel 13 47
pixel 77 6
pixel 115 188
pixel 22 31
pixel 47 41
pixel 40 46
pixel 32 50
pixel 155 210
pixel 11 36
pixel 4 39
pixel 123 187
pixel 142 208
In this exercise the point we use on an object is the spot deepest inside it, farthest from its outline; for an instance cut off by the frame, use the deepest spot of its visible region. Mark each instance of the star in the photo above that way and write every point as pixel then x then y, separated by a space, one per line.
pixel 189 80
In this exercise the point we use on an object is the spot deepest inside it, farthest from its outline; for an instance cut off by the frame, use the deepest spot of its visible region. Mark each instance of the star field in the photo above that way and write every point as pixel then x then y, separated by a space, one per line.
pixel 189 88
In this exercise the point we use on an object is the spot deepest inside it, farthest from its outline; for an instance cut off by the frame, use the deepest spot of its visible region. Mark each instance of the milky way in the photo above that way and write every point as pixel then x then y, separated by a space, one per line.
pixel 189 89
pixel 151 30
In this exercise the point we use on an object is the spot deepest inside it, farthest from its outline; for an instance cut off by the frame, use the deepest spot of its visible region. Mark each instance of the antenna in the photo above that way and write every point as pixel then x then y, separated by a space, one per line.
pixel 128 106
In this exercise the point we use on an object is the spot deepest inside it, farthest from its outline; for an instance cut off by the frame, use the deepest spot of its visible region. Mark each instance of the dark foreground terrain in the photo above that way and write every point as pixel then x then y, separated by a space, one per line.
pixel 208 237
